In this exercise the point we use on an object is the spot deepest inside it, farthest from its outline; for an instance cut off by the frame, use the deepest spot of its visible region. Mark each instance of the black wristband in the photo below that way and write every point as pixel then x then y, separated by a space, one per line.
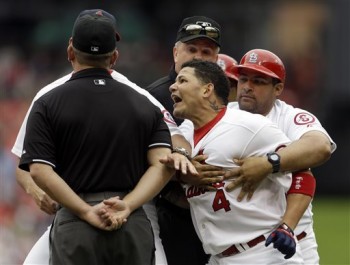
pixel 286 227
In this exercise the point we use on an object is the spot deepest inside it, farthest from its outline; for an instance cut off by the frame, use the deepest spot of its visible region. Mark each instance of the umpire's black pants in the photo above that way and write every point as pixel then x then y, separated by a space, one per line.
pixel 74 241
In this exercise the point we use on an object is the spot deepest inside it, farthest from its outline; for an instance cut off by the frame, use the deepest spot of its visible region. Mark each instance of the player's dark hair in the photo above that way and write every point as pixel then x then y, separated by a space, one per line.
pixel 209 72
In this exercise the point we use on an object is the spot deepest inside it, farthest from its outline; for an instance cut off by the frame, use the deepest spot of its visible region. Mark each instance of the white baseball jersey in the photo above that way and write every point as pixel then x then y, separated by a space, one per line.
pixel 294 122
pixel 18 146
pixel 220 220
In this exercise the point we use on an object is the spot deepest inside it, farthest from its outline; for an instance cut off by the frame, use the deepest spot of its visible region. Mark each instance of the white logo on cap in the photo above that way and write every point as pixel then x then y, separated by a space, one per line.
pixel 100 82
pixel 94 48
pixel 203 24
pixel 253 57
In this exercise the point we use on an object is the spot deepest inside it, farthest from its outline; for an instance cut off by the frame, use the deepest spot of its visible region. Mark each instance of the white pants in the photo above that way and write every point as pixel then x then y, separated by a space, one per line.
pixel 39 254
pixel 308 247
pixel 258 254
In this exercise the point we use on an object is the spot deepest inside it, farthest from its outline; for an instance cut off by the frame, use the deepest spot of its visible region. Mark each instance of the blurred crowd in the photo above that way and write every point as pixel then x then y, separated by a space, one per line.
pixel 33 54
pixel 20 220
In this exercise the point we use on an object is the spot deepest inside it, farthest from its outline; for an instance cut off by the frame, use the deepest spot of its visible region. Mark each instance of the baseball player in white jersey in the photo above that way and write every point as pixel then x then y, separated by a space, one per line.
pixel 295 122
pixel 299 125
pixel 232 232
pixel 312 144
pixel 39 254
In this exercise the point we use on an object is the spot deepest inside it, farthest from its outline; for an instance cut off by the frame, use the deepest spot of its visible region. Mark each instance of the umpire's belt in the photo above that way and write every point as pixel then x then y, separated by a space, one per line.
pixel 100 196
pixel 238 248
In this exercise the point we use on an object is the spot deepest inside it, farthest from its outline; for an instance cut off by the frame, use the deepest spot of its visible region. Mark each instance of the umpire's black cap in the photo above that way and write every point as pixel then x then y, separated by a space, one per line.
pixel 199 27
pixel 95 32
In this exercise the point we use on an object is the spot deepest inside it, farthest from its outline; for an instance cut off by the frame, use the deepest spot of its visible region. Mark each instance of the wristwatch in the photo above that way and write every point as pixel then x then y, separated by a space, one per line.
pixel 182 151
pixel 275 161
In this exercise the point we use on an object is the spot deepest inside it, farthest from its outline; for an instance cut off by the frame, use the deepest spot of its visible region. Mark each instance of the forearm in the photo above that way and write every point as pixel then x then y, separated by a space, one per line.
pixel 57 188
pixel 26 181
pixel 151 183
pixel 296 207
pixel 311 150
pixel 179 141
pixel 299 196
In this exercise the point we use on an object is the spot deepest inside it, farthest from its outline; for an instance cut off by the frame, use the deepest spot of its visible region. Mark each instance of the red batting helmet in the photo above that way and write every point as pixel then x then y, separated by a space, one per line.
pixel 262 61
pixel 227 63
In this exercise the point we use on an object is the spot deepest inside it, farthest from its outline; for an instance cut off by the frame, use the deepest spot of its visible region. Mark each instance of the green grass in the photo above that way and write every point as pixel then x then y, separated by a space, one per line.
pixel 332 228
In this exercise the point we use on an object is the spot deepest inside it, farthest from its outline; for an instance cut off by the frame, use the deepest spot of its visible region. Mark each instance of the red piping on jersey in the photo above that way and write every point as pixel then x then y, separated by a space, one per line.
pixel 201 132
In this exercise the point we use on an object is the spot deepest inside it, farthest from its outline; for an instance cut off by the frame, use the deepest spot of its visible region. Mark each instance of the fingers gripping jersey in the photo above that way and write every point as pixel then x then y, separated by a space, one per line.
pixel 219 219
pixel 18 146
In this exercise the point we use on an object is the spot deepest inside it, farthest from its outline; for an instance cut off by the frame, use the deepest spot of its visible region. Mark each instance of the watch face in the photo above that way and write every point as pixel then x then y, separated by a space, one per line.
pixel 274 157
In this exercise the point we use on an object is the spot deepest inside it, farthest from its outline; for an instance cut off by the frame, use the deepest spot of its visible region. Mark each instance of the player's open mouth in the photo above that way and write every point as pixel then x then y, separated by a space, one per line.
pixel 176 99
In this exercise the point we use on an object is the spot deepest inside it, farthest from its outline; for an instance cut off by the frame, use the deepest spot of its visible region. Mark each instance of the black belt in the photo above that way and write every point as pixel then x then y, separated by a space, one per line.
pixel 233 250
pixel 100 196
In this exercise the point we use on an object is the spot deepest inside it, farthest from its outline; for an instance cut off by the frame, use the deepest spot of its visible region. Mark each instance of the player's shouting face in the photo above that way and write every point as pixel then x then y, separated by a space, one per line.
pixel 257 92
pixel 186 93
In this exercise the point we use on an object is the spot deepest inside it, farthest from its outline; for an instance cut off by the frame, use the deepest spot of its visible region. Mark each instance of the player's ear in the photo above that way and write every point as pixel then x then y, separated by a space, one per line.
pixel 278 89
pixel 208 89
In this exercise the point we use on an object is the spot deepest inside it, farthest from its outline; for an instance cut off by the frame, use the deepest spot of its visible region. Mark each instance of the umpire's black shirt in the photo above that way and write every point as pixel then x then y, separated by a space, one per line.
pixel 95 132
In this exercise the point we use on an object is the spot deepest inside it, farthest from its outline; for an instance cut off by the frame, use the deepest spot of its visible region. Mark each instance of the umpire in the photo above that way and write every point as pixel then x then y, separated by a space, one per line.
pixel 94 138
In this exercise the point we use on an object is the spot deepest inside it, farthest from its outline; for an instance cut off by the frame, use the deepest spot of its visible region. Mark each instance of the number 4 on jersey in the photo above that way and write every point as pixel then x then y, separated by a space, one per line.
pixel 220 201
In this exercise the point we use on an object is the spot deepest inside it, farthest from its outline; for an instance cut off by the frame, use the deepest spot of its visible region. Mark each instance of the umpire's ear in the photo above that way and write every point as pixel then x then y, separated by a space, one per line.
pixel 70 52
pixel 114 58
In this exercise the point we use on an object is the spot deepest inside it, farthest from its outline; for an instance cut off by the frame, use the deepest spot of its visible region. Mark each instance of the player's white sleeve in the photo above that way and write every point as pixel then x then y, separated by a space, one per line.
pixel 18 146
pixel 167 116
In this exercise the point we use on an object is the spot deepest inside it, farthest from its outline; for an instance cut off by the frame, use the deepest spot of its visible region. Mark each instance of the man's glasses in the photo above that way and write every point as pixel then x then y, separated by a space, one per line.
pixel 195 29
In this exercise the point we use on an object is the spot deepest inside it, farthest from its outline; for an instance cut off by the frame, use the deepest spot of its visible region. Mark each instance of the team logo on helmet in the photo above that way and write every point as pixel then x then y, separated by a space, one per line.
pixel 222 64
pixel 253 57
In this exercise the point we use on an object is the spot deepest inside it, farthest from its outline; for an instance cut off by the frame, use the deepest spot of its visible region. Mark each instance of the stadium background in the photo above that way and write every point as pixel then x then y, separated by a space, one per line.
pixel 311 37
